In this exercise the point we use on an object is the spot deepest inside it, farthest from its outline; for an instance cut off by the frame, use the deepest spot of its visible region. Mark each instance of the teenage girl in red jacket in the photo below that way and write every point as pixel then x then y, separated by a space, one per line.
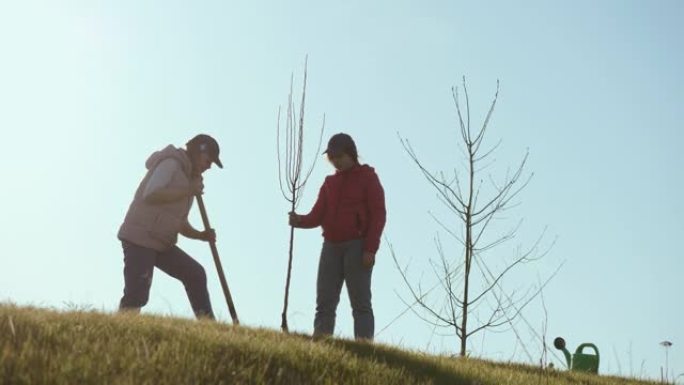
pixel 351 210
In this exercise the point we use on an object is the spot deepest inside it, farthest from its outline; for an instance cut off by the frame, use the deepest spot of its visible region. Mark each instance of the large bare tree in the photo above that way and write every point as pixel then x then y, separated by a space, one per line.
pixel 475 206
pixel 290 148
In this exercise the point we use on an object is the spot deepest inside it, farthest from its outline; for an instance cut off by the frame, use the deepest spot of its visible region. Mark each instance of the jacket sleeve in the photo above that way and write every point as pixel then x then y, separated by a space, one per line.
pixel 315 217
pixel 161 176
pixel 377 214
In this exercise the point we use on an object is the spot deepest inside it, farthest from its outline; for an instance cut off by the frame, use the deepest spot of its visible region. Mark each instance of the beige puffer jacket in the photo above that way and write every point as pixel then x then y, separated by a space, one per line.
pixel 156 226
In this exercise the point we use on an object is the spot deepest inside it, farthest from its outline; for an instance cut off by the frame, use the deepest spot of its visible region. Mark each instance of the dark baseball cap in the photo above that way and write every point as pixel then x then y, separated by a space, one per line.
pixel 340 143
pixel 207 144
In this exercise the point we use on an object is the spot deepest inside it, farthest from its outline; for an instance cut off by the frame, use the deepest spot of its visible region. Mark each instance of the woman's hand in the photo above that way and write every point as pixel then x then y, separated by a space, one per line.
pixel 208 235
pixel 368 259
pixel 196 186
pixel 295 219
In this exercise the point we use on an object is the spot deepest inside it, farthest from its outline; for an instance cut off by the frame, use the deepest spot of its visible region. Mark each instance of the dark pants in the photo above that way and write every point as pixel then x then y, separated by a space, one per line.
pixel 343 263
pixel 139 263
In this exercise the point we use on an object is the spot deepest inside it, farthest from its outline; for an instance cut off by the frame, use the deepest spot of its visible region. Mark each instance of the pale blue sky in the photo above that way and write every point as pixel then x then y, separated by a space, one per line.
pixel 89 89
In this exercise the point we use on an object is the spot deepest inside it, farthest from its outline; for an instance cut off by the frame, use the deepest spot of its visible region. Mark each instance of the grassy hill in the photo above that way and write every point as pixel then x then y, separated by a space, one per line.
pixel 47 347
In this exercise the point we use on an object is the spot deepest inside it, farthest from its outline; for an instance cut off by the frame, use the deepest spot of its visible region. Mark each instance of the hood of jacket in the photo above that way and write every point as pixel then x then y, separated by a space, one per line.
pixel 170 151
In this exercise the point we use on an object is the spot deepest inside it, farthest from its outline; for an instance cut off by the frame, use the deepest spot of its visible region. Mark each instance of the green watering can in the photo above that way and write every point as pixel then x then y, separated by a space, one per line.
pixel 579 361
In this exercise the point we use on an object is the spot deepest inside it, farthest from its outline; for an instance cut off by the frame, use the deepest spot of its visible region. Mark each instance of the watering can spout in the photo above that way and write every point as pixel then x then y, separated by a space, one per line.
pixel 559 343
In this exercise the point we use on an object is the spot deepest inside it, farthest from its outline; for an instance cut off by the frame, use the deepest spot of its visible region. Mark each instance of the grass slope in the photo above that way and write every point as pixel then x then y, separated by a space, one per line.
pixel 48 347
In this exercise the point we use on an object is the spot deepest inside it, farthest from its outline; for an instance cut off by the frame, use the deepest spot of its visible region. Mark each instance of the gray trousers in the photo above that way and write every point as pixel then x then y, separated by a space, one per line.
pixel 343 263
pixel 139 264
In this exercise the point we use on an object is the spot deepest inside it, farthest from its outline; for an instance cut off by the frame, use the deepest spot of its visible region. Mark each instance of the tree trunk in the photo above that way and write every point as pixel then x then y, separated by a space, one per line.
pixel 283 324
pixel 468 250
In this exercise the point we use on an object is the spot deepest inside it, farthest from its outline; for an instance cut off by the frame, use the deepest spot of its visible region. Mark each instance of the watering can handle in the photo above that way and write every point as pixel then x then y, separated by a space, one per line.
pixel 592 346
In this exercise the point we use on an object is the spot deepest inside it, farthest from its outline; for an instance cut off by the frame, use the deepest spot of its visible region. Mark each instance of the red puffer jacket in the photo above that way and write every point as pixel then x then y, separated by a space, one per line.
pixel 350 205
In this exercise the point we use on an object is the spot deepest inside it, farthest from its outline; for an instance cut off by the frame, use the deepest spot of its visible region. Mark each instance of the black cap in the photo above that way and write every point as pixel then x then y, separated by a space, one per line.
pixel 207 144
pixel 340 143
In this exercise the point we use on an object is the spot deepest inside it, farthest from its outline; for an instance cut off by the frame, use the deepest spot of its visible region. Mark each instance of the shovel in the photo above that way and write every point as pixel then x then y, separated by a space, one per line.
pixel 217 261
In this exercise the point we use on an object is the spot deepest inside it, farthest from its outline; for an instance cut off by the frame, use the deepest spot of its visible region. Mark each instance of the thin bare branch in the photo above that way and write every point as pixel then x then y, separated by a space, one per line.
pixel 443 188
pixel 281 182
pixel 464 132
pixel 488 153
pixel 318 151
pixel 448 230
pixel 465 91
pixel 485 269
pixel 503 194
pixel 489 115
pixel 499 241
pixel 418 297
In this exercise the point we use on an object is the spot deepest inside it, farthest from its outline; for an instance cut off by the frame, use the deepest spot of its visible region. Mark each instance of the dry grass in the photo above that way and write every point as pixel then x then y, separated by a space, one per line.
pixel 47 347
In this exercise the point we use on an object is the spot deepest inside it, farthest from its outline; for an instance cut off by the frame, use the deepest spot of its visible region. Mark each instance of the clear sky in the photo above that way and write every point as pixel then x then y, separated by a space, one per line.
pixel 89 89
